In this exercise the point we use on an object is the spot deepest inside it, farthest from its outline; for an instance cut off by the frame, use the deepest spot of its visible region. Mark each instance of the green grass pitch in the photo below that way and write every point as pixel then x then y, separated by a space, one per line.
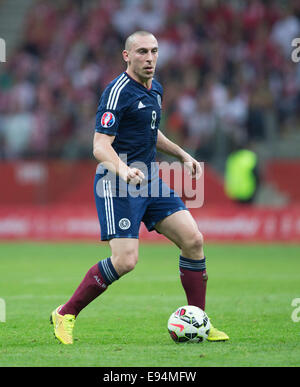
pixel 250 294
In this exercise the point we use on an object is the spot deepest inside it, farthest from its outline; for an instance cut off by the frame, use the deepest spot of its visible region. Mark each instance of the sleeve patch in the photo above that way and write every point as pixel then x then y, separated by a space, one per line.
pixel 107 120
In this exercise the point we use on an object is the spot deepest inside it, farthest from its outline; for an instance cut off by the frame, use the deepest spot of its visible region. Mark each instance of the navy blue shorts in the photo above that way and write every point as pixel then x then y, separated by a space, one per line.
pixel 122 207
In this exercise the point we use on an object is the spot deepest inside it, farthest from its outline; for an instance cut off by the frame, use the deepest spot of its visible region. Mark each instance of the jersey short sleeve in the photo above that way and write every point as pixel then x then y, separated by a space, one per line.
pixel 112 105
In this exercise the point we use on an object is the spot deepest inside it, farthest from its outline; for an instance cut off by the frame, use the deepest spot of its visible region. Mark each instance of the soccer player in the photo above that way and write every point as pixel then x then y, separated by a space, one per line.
pixel 127 132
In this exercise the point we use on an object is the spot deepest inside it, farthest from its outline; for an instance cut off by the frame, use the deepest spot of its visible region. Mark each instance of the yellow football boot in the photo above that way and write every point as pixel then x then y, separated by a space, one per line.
pixel 63 326
pixel 216 335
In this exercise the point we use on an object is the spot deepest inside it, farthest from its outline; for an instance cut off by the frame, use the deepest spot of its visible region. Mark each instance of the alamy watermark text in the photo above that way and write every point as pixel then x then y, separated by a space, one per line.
pixel 2 50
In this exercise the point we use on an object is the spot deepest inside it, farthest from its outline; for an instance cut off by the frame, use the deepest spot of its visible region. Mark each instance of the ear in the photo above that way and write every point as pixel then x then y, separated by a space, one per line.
pixel 125 56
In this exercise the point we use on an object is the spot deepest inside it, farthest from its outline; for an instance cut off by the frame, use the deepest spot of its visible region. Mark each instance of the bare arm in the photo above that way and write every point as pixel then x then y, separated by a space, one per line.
pixel 104 153
pixel 166 146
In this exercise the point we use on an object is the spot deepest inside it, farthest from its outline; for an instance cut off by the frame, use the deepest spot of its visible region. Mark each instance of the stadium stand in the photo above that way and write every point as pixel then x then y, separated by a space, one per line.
pixel 226 67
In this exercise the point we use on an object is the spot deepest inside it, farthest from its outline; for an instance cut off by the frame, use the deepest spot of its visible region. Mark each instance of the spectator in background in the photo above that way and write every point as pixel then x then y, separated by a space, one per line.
pixel 242 175
pixel 139 15
pixel 234 113
pixel 17 131
pixel 201 128
pixel 260 100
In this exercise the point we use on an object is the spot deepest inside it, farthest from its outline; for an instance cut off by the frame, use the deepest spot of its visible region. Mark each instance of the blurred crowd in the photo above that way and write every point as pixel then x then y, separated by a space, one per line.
pixel 224 65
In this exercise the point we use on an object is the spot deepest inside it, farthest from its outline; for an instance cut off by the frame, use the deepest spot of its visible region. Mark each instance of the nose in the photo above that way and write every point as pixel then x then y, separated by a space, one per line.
pixel 149 58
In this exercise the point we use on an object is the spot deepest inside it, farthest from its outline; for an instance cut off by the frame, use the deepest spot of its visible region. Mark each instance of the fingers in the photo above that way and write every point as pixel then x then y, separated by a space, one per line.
pixel 189 167
pixel 198 171
pixel 139 173
pixel 194 168
pixel 135 176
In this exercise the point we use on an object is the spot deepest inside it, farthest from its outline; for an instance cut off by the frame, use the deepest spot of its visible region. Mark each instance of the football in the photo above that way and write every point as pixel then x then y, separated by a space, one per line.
pixel 189 324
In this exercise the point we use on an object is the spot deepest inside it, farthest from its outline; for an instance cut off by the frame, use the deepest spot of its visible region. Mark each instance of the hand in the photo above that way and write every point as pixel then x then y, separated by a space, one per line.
pixel 134 176
pixel 193 167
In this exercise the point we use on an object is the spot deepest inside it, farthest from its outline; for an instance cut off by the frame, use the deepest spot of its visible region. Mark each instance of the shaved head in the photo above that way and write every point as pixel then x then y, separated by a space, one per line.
pixel 132 38
pixel 140 54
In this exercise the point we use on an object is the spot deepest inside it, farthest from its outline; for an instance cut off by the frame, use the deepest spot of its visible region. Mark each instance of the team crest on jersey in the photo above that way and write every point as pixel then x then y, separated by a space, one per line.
pixel 107 120
pixel 124 224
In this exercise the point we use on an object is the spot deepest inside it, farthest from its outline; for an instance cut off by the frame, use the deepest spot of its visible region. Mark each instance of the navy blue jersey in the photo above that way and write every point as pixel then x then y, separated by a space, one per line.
pixel 131 112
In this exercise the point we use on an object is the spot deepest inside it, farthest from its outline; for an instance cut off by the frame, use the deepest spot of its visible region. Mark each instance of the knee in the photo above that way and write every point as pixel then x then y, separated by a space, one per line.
pixel 130 263
pixel 198 240
pixel 195 243
pixel 125 262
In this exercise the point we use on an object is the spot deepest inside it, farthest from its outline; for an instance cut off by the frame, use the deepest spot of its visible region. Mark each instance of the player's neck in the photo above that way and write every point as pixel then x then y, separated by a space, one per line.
pixel 147 83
